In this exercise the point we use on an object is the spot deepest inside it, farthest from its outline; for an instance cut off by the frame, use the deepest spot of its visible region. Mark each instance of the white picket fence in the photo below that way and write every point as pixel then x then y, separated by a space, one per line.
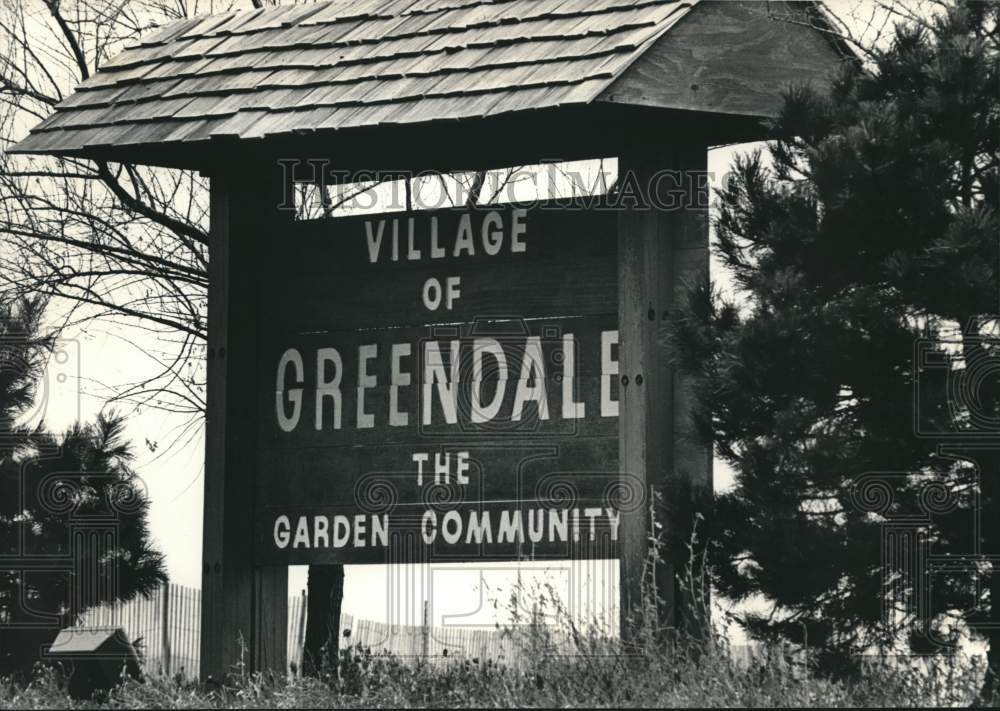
pixel 168 627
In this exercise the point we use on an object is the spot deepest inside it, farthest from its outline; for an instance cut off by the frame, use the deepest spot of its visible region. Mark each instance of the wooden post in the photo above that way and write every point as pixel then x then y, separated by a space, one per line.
pixel 244 607
pixel 662 249
pixel 165 628
pixel 300 635
pixel 425 632
pixel 534 630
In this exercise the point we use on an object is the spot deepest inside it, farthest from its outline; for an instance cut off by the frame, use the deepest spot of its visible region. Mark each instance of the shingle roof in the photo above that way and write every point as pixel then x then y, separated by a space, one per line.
pixel 347 64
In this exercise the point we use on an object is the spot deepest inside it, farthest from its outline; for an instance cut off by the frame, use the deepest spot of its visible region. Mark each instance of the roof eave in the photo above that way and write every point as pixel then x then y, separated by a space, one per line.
pixel 569 132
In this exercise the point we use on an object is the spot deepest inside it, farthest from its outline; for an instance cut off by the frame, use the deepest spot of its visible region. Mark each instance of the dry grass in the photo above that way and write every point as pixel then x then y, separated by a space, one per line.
pixel 560 664
pixel 703 674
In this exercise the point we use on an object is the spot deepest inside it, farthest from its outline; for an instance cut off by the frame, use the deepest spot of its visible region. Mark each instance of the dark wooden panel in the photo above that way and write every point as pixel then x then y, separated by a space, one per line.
pixel 404 542
pixel 550 231
pixel 531 425
pixel 545 289
pixel 333 285
pixel 578 370
pixel 321 276
pixel 363 478
pixel 728 57
pixel 574 473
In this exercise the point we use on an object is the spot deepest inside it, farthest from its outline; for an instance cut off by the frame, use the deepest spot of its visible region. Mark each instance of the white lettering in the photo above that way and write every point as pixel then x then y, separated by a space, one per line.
pixel 518 229
pixel 479 528
pixel 609 371
pixel 447 388
pixel 437 251
pixel 398 380
pixel 511 527
pixel 461 475
pixel 452 527
pixel 321 532
pixel 452 291
pixel 492 238
pixel 431 294
pixel 294 358
pixel 536 525
pixel 341 530
pixel 442 466
pixel 380 530
pixel 420 458
pixel 571 410
pixel 428 526
pixel 463 242
pixel 614 519
pixel 328 388
pixel 533 370
pixel 592 513
pixel 412 253
pixel 365 381
pixel 282 531
pixel 555 524
pixel 480 347
pixel 359 530
pixel 301 533
pixel 374 240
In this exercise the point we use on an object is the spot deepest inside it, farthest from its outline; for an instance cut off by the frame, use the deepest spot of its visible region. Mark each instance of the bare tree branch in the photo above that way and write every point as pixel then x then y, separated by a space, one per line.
pixel 71 40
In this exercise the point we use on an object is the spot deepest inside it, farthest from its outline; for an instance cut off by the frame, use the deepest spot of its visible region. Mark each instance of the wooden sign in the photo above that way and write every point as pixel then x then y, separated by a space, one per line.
pixel 465 384
pixel 439 385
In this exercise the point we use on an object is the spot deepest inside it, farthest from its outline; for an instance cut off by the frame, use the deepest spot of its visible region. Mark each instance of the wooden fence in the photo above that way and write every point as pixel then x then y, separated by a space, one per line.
pixel 168 627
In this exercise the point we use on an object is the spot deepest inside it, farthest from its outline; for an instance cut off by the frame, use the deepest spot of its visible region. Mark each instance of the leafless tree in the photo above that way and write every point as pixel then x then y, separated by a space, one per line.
pixel 114 244
pixel 117 246
pixel 864 25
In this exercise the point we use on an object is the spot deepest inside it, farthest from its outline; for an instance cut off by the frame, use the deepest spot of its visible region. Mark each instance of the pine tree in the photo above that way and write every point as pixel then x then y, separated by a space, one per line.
pixel 863 245
pixel 73 514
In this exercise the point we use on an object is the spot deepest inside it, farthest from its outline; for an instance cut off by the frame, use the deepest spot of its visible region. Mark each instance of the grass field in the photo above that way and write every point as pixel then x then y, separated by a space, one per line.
pixel 589 669
pixel 706 675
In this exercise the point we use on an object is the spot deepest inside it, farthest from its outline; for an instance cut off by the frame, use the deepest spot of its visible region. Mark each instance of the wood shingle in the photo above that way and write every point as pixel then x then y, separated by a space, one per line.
pixel 345 64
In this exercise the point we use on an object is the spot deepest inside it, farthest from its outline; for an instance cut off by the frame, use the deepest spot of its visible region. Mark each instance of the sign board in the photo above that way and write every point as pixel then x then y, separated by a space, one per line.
pixel 439 385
